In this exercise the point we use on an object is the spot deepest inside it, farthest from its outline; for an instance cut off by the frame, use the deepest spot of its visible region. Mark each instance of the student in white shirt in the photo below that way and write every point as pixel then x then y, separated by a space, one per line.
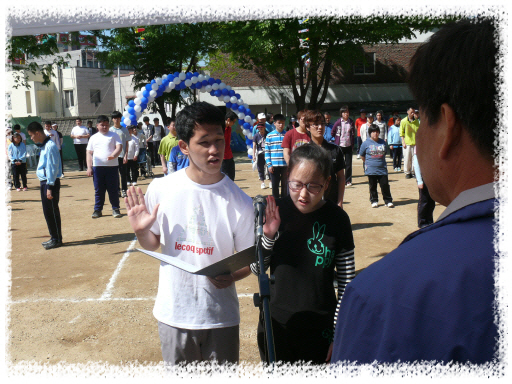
pixel 80 136
pixel 132 155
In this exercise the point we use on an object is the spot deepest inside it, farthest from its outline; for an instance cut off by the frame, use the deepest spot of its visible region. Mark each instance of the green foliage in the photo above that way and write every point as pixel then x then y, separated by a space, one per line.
pixel 33 47
pixel 273 46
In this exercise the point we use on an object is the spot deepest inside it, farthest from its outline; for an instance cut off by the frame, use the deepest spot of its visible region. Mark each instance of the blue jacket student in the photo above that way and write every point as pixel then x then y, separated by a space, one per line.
pixel 50 166
pixel 17 152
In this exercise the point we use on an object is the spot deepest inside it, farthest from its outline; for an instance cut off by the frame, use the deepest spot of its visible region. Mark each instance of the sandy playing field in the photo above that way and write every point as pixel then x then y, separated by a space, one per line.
pixel 92 299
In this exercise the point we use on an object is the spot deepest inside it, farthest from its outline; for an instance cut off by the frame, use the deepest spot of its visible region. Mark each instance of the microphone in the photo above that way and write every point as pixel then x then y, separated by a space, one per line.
pixel 259 203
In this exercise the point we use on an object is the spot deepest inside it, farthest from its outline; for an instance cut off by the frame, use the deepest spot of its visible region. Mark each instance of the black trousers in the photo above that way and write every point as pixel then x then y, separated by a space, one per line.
pixel 397 153
pixel 348 153
pixel 156 156
pixel 384 188
pixel 17 171
pixel 123 172
pixel 426 207
pixel 279 177
pixel 132 171
pixel 150 151
pixel 81 150
pixel 228 168
pixel 51 209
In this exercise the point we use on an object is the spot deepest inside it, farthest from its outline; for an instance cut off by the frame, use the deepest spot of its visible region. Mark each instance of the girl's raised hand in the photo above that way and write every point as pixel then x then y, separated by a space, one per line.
pixel 272 218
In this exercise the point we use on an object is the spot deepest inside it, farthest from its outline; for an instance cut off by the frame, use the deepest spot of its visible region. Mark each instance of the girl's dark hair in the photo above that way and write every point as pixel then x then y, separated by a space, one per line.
pixel 312 117
pixel 314 153
pixel 197 114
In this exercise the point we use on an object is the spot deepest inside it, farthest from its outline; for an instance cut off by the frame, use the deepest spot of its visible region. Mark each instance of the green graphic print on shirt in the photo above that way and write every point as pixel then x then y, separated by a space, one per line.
pixel 324 255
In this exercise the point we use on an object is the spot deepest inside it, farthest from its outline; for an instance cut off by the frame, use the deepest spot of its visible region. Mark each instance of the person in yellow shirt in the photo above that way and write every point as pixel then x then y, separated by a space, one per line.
pixel 408 128
pixel 167 144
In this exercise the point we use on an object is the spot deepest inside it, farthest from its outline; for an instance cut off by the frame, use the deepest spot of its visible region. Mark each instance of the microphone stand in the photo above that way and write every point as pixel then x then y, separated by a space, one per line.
pixel 262 300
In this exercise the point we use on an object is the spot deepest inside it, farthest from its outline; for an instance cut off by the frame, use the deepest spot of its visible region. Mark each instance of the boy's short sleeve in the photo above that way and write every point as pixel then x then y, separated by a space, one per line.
pixel 287 140
pixel 151 199
pixel 244 233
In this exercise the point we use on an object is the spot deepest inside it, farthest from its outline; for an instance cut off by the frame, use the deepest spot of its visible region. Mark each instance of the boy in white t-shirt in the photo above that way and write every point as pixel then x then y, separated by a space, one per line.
pixel 103 149
pixel 132 155
pixel 200 216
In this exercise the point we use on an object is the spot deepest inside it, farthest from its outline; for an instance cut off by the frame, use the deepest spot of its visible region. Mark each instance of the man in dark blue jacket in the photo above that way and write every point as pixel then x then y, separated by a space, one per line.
pixel 432 299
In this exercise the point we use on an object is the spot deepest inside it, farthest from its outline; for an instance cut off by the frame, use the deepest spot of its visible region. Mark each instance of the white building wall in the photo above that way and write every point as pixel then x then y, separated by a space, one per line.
pixel 88 79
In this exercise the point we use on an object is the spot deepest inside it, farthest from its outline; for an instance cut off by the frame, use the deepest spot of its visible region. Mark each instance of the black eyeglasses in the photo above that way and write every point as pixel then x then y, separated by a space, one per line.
pixel 313 188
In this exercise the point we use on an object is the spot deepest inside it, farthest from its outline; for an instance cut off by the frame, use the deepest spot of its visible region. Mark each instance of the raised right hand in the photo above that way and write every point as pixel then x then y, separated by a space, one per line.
pixel 138 216
pixel 272 218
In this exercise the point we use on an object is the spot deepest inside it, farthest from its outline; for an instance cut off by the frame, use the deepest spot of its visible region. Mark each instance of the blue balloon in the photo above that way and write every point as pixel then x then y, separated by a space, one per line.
pixel 162 87
pixel 225 92
pixel 204 83
pixel 247 126
pixel 131 111
pixel 248 141
pixel 241 108
pixel 252 116
pixel 143 106
pixel 231 93
pixel 218 81
pixel 132 117
pixel 176 74
pixel 237 95
pixel 153 81
pixel 212 93
pixel 249 156
pixel 218 92
pixel 189 75
pixel 196 74
pixel 159 93
pixel 211 80
pixel 123 124
pixel 192 86
pixel 145 93
pixel 131 103
pixel 240 122
pixel 234 107
pixel 143 100
pixel 148 87
pixel 248 112
pixel 228 105
pixel 165 83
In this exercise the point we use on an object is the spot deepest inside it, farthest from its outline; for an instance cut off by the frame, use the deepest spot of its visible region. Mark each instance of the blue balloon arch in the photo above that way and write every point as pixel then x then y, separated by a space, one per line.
pixel 203 83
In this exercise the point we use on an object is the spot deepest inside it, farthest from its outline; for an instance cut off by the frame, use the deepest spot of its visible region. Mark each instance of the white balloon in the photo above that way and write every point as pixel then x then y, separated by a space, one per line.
pixel 233 99
pixel 137 108
pixel 188 82
pixel 200 77
pixel 182 76
pixel 241 116
pixel 151 98
pixel 176 80
pixel 154 86
pixel 208 88
pixel 164 77
pixel 158 80
pixel 253 121
pixel 249 136
pixel 152 94
pixel 222 86
pixel 225 99
pixel 228 87
pixel 126 114
pixel 246 106
pixel 139 94
pixel 246 132
pixel 215 86
pixel 220 98
pixel 171 86
pixel 137 101
pixel 202 90
pixel 247 119
pixel 194 79
pixel 127 121
pixel 240 102
pixel 250 152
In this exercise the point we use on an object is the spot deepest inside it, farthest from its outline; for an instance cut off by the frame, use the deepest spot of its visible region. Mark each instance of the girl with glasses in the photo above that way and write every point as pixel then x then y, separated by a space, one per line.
pixel 305 239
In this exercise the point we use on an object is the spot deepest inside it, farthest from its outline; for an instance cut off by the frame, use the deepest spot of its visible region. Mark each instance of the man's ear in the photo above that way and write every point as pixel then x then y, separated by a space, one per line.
pixel 183 147
pixel 451 129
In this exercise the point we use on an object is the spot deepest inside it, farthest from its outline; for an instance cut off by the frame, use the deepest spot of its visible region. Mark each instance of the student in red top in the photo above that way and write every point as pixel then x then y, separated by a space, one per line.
pixel 294 138
pixel 360 121
pixel 228 163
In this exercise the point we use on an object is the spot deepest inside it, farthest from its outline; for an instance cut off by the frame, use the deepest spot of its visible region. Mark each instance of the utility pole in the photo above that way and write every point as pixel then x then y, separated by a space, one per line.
pixel 121 106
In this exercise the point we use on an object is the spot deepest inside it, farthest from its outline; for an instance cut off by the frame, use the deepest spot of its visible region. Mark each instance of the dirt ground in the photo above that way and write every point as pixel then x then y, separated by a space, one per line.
pixel 92 299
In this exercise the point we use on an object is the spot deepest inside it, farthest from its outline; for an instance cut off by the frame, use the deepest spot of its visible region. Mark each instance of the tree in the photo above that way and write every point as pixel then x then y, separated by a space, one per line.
pixel 274 46
pixel 21 48
pixel 155 51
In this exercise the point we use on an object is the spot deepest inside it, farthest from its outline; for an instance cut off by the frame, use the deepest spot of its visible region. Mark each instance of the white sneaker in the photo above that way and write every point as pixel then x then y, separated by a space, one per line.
pixel 358 156
pixel 263 186
pixel 270 184
pixel 134 184
pixel 390 205
pixel 375 205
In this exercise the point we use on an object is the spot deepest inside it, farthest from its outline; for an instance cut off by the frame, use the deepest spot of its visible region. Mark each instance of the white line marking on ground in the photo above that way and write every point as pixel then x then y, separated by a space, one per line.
pixel 110 286
pixel 75 319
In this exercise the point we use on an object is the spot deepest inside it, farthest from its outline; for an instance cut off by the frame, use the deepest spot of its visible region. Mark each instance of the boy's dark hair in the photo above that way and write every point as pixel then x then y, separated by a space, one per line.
pixel 372 128
pixel 47 122
pixel 344 108
pixel 156 119
pixel 194 114
pixel 230 115
pixel 145 118
pixel 101 118
pixel 396 118
pixel 270 116
pixel 34 127
pixel 381 113
pixel 457 66
pixel 314 153
pixel 116 115
pixel 16 127
pixel 131 127
pixel 312 117
pixel 279 116
pixel 89 121
pixel 170 120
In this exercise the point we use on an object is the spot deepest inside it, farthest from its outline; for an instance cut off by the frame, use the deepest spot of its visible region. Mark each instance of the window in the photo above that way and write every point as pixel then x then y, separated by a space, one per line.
pixel 366 67
pixel 95 96
pixel 29 103
pixel 304 72
pixel 70 102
